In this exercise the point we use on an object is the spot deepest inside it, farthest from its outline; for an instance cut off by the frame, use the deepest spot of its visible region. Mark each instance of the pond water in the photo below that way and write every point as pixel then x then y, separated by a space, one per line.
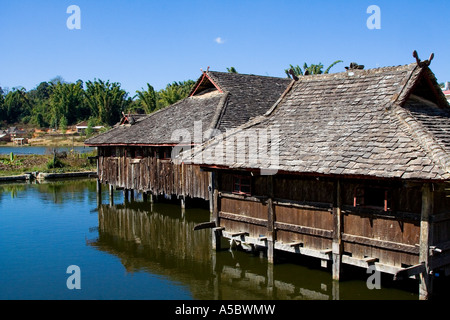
pixel 141 250
pixel 41 150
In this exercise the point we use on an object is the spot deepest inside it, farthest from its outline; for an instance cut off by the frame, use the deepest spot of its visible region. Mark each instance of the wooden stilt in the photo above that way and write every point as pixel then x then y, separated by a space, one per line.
pixel 131 194
pixel 111 195
pixel 425 285
pixel 211 192
pixel 183 202
pixel 144 196
pixel 270 222
pixel 216 232
pixel 337 232
pixel 126 193
pixel 335 290
pixel 270 281
pixel 99 192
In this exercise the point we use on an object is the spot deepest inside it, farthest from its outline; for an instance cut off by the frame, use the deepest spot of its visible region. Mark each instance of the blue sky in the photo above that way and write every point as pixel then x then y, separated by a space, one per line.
pixel 157 42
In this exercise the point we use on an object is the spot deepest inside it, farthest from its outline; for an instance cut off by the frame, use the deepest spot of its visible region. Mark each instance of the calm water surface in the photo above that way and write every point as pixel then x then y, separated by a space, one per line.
pixel 143 251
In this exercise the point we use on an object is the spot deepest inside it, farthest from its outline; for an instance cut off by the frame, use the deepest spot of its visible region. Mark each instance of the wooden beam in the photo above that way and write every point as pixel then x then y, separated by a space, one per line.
pixel 323 206
pixel 205 225
pixel 239 234
pixel 296 244
pixel 304 230
pixel 242 218
pixel 389 245
pixel 337 244
pixel 425 286
pixel 271 233
pixel 370 260
pixel 409 272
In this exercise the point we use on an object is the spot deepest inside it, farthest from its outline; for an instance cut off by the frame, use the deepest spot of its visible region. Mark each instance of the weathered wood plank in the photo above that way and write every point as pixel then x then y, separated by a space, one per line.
pixel 304 230
pixel 380 243
pixel 242 218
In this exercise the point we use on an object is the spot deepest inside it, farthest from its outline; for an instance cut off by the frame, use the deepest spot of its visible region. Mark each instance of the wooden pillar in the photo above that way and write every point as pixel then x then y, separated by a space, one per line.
pixel 211 192
pixel 99 192
pixel 216 232
pixel 336 249
pixel 111 195
pixel 183 207
pixel 144 196
pixel 131 194
pixel 183 202
pixel 270 281
pixel 425 278
pixel 335 290
pixel 126 192
pixel 270 222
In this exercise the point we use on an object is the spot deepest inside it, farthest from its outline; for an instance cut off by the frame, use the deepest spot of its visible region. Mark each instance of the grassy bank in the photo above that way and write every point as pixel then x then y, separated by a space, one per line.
pixel 11 165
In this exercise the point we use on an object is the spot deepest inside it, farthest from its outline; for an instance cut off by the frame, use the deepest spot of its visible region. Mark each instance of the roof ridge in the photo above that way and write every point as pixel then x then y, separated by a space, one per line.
pixel 426 140
pixel 246 74
pixel 220 108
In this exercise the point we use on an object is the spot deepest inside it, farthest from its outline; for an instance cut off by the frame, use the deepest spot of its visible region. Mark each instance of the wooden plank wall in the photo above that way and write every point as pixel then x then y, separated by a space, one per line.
pixel 159 176
pixel 303 213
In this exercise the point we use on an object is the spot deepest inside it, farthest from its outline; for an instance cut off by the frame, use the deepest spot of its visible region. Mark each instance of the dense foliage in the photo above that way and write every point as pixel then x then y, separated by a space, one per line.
pixel 58 104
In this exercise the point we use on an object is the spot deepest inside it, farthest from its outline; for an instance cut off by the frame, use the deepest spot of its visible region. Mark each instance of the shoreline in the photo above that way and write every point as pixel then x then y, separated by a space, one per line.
pixel 48 176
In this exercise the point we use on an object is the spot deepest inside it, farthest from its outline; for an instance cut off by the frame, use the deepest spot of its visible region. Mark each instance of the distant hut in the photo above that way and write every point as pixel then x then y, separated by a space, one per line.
pixel 136 155
pixel 358 173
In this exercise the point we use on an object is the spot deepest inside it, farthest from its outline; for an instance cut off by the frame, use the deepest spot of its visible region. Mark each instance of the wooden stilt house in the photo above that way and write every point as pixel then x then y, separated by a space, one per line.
pixel 136 155
pixel 358 174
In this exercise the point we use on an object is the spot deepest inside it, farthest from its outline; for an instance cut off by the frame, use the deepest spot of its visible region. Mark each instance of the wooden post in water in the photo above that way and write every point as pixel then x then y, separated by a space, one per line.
pixel 183 206
pixel 99 192
pixel 131 194
pixel 270 222
pixel 126 192
pixel 144 196
pixel 111 195
pixel 183 202
pixel 336 249
pixel 425 278
pixel 216 232
pixel 211 192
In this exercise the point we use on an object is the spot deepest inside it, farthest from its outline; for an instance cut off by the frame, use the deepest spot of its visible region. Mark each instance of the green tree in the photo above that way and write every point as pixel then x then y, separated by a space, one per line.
pixel 147 99
pixel 39 98
pixel 311 69
pixel 90 127
pixel 38 119
pixel 174 92
pixel 63 124
pixel 232 70
pixel 67 101
pixel 106 100
pixel 16 105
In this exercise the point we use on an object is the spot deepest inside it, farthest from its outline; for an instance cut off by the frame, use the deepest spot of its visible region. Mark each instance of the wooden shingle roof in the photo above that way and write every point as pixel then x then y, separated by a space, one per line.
pixel 388 123
pixel 218 101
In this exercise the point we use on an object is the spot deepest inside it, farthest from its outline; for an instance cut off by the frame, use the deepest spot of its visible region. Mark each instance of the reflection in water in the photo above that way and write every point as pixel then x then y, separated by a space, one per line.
pixel 160 242
pixel 163 257
pixel 159 239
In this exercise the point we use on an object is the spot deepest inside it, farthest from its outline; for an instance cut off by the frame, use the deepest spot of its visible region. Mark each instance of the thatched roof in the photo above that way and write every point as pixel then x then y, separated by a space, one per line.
pixel 218 100
pixel 391 122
